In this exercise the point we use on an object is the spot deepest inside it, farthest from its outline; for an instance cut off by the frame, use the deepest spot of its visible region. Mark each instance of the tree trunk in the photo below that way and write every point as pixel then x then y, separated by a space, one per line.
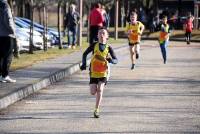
pixel 59 25
pixel 65 11
pixel 45 28
pixel 10 2
pixel 20 8
pixel 179 12
pixel 156 7
pixel 127 9
pixel 47 17
pixel 31 28
pixel 88 23
pixel 80 22
pixel 28 8
pixel 39 14
pixel 116 18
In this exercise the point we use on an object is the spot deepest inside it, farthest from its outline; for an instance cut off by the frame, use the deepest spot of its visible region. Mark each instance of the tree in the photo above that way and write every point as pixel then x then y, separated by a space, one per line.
pixel 31 27
pixel 59 23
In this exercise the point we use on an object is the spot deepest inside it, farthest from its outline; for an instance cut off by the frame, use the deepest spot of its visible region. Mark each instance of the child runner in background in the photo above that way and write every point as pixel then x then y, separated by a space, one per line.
pixel 188 26
pixel 103 54
pixel 164 38
pixel 134 31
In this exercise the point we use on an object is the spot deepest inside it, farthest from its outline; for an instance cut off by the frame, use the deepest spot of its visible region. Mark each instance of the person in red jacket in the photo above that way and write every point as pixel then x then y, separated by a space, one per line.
pixel 188 28
pixel 96 22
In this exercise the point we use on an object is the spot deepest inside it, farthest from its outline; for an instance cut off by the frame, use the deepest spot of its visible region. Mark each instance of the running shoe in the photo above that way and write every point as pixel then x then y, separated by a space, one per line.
pixel 137 56
pixel 133 66
pixel 96 113
pixel 8 80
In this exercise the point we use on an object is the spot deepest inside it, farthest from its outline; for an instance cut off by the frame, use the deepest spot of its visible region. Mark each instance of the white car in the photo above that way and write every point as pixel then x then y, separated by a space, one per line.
pixel 37 38
pixel 22 40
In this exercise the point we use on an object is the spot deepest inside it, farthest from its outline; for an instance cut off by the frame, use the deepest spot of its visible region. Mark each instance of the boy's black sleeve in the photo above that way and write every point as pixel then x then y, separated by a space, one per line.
pixel 84 58
pixel 113 58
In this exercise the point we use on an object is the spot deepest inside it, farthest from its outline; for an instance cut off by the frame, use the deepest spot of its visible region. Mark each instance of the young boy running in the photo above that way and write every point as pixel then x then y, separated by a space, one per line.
pixel 99 66
pixel 134 31
pixel 164 38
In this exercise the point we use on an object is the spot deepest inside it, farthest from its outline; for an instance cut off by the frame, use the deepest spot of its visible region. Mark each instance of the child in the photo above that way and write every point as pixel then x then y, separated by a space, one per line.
pixel 99 66
pixel 134 31
pixel 188 28
pixel 164 38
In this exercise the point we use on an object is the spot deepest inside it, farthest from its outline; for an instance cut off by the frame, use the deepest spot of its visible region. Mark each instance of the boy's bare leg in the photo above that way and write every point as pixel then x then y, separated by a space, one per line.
pixel 99 94
pixel 93 89
pixel 137 50
pixel 132 53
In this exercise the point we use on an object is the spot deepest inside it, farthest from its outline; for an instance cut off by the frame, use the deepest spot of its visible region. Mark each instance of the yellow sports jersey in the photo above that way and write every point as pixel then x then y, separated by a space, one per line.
pixel 134 37
pixel 164 33
pixel 99 64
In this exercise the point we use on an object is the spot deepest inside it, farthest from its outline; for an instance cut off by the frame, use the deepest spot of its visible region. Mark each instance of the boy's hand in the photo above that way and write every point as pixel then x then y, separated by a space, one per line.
pixel 83 67
pixel 129 32
pixel 167 36
pixel 109 59
pixel 140 33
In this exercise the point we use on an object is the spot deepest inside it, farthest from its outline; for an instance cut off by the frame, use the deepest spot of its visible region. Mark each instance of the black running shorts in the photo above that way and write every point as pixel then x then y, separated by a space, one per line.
pixel 97 80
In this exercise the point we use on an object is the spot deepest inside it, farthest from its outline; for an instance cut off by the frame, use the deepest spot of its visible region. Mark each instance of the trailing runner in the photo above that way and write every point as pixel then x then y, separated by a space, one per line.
pixel 164 38
pixel 134 31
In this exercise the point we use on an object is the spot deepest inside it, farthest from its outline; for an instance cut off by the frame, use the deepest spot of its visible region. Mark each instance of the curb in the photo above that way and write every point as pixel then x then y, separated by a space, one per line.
pixel 23 92
pixel 32 88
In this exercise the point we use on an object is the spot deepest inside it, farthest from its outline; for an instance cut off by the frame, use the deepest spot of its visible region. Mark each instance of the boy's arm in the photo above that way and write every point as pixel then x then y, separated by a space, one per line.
pixel 170 30
pixel 113 58
pixel 84 58
pixel 142 27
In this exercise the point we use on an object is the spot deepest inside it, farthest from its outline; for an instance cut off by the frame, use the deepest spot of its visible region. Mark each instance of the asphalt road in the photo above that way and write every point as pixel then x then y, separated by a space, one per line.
pixel 153 98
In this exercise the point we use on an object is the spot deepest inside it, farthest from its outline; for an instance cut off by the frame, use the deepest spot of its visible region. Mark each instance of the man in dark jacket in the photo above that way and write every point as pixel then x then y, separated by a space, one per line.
pixel 7 37
pixel 71 21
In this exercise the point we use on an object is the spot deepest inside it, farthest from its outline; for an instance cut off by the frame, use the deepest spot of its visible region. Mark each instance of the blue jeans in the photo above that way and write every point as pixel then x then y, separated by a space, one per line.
pixel 163 48
pixel 72 35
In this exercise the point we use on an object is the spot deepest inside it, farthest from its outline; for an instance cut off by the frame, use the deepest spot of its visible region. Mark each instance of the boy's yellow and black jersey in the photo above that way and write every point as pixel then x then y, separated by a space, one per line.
pixel 134 37
pixel 99 60
pixel 99 64
pixel 164 33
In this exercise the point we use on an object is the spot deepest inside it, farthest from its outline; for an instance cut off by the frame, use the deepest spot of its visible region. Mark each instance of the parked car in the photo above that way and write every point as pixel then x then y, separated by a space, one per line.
pixel 36 32
pixel 23 34
pixel 51 31
pixel 23 40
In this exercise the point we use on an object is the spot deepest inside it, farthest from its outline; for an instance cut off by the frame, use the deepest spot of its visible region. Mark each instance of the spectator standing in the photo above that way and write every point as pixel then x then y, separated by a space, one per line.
pixel 71 21
pixel 96 22
pixel 7 39
pixel 188 26
pixel 105 16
